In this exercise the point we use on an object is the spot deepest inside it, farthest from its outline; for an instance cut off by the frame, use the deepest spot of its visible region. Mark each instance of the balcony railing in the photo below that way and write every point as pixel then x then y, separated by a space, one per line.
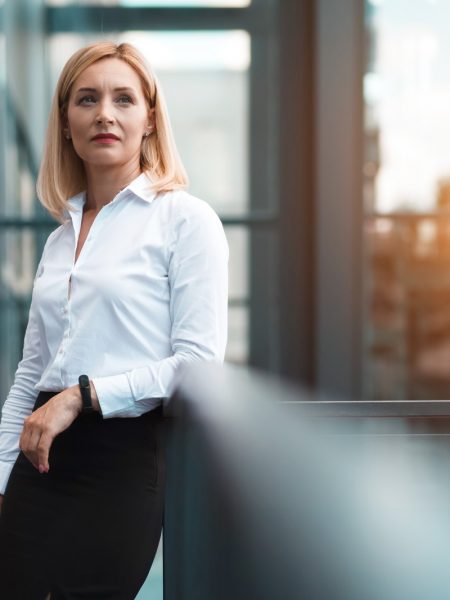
pixel 272 495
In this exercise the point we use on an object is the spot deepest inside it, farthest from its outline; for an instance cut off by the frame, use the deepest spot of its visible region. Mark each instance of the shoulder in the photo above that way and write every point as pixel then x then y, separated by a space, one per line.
pixel 55 235
pixel 193 223
pixel 46 252
pixel 184 209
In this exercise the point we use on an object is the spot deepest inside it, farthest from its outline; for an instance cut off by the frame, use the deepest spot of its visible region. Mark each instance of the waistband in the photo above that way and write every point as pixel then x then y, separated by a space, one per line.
pixel 44 396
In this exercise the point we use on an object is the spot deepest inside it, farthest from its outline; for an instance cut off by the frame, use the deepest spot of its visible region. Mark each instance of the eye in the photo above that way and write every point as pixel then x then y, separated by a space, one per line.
pixel 86 100
pixel 124 99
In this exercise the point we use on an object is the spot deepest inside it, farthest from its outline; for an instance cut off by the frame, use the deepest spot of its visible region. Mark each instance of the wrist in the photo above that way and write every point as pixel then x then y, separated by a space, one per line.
pixel 94 397
pixel 76 399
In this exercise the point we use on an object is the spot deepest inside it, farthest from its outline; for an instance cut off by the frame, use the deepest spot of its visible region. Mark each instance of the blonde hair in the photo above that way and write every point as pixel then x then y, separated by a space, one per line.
pixel 62 173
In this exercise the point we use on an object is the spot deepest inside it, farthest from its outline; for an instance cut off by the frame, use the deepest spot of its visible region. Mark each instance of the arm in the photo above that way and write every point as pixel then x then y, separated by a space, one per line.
pixel 19 403
pixel 48 421
pixel 198 279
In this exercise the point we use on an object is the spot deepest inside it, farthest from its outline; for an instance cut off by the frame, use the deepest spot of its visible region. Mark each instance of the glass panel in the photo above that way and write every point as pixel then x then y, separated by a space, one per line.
pixel 238 240
pixel 238 335
pixel 238 317
pixel 407 200
pixel 22 119
pixel 18 251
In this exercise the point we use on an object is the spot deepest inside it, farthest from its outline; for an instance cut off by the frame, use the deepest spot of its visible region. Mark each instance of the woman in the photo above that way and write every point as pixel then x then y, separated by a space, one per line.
pixel 130 286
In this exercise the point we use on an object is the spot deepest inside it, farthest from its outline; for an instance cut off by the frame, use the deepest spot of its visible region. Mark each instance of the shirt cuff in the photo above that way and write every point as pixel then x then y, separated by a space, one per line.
pixel 114 395
pixel 5 472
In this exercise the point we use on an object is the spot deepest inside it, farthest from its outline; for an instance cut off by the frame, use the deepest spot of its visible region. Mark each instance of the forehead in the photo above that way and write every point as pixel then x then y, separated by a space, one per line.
pixel 108 73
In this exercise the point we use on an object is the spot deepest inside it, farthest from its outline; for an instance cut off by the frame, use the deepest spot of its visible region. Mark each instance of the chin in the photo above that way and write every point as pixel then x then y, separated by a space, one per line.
pixel 104 161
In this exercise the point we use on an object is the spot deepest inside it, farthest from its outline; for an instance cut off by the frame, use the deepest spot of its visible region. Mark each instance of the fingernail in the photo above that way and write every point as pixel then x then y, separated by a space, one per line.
pixel 41 468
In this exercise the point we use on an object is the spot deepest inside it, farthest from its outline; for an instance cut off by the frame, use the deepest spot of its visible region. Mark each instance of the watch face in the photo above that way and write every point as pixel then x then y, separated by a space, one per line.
pixel 83 381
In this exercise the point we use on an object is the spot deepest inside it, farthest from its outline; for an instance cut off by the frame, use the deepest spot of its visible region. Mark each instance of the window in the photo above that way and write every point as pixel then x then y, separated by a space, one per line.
pixel 407 200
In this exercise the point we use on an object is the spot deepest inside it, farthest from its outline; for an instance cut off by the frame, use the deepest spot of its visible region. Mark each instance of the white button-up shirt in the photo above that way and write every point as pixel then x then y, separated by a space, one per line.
pixel 147 293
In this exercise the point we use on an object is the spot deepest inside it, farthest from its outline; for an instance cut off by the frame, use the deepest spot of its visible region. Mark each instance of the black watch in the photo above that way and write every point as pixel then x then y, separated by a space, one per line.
pixel 85 389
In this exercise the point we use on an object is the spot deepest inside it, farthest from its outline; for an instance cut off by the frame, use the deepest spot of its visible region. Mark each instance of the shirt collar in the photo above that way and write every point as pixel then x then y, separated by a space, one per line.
pixel 141 187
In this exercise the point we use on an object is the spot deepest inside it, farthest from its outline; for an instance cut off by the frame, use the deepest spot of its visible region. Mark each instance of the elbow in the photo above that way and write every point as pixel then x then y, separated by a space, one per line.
pixel 200 353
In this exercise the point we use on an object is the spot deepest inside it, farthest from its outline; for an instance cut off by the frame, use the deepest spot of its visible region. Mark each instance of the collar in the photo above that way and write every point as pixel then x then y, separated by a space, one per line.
pixel 141 187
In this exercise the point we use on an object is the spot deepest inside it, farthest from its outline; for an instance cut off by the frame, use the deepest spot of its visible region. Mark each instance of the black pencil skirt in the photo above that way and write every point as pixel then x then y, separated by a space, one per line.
pixel 89 528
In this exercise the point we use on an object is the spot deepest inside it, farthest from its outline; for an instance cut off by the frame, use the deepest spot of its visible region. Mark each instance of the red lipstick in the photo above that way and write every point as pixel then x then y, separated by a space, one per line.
pixel 105 138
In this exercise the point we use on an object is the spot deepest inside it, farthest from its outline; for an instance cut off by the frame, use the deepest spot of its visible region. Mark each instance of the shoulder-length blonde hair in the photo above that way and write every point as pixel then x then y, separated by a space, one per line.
pixel 62 173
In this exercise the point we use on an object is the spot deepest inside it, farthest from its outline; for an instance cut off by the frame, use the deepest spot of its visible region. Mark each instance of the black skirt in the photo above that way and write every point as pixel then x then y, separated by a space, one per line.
pixel 89 528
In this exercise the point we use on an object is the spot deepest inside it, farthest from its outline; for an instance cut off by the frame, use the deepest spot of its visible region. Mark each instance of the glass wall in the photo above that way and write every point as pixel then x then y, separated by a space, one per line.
pixel 23 111
pixel 407 200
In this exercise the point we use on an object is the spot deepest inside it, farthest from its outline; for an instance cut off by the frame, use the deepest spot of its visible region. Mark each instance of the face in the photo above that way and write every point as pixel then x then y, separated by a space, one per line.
pixel 108 115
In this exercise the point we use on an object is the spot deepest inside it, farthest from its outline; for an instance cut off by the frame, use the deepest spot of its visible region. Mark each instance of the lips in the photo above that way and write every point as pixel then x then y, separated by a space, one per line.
pixel 105 138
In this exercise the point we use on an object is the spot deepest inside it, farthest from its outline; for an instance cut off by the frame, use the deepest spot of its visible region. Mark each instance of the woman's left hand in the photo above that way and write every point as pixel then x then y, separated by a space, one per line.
pixel 46 422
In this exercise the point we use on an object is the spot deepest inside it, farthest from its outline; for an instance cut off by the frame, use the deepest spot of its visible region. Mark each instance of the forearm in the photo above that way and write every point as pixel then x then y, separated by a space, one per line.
pixel 139 390
pixel 16 408
pixel 75 400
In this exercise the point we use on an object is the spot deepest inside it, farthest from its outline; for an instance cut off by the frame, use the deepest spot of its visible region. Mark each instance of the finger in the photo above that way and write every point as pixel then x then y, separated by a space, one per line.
pixel 43 449
pixel 29 444
pixel 25 435
pixel 31 434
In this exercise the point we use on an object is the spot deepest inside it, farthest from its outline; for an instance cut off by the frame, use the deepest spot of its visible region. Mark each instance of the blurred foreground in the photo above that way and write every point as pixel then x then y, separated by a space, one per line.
pixel 268 500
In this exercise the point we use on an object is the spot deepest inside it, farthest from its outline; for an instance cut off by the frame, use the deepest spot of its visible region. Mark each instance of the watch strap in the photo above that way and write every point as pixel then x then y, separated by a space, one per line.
pixel 85 389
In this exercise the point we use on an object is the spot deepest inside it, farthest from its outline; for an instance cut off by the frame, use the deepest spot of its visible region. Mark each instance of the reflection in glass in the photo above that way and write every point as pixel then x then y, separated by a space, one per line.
pixel 407 200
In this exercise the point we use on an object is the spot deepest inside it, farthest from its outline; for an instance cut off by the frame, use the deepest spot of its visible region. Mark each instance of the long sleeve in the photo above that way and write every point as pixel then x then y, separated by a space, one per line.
pixel 198 282
pixel 20 400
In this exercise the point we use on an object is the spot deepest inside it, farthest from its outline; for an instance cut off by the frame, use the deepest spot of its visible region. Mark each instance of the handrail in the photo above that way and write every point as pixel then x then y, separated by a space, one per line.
pixel 265 501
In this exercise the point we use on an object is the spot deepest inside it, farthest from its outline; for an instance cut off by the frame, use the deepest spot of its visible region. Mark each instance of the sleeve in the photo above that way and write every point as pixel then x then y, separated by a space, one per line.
pixel 22 395
pixel 198 279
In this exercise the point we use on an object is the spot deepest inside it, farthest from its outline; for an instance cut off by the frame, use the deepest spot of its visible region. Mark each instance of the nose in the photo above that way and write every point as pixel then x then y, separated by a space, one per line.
pixel 104 114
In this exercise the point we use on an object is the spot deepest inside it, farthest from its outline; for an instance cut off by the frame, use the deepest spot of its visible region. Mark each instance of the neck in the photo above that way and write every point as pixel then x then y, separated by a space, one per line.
pixel 104 184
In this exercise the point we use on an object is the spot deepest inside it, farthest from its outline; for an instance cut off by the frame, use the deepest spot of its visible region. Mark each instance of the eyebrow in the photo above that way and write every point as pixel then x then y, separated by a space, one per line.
pixel 117 89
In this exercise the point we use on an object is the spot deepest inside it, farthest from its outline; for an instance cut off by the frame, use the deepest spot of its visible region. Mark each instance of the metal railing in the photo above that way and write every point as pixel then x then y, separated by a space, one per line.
pixel 272 495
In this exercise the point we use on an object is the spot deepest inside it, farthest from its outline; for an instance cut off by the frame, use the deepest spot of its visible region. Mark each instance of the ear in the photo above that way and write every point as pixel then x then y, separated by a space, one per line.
pixel 65 127
pixel 151 124
pixel 151 118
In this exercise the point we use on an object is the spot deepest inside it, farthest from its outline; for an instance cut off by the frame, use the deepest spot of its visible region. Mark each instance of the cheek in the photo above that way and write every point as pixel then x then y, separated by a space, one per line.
pixel 134 132
pixel 136 126
pixel 77 124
